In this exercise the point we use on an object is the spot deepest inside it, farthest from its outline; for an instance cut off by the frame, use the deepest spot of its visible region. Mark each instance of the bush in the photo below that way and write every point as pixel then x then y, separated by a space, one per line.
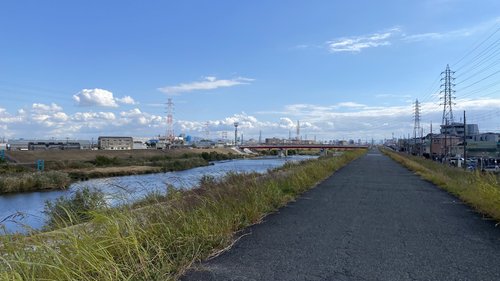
pixel 76 209
pixel 102 161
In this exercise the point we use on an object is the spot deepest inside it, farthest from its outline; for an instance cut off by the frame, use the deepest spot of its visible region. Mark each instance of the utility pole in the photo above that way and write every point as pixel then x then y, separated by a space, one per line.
pixel 430 148
pixel 421 141
pixel 465 143
pixel 445 139
pixel 408 143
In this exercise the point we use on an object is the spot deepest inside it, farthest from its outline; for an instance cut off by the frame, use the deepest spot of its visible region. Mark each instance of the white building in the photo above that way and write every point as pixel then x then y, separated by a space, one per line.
pixel 115 143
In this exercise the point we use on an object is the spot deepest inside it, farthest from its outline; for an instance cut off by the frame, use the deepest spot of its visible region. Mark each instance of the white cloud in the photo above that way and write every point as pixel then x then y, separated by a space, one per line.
pixel 462 32
pixel 131 113
pixel 350 104
pixel 90 116
pixel 286 123
pixel 208 83
pixel 358 43
pixel 126 100
pixel 342 120
pixel 61 116
pixel 95 97
pixel 40 107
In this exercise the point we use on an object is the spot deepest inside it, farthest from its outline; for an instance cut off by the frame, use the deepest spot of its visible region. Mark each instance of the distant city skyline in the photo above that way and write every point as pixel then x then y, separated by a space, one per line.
pixel 346 70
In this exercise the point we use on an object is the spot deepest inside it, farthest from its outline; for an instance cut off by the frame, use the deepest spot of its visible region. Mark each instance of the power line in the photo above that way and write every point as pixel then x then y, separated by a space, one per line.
pixel 495 63
pixel 475 83
pixel 478 45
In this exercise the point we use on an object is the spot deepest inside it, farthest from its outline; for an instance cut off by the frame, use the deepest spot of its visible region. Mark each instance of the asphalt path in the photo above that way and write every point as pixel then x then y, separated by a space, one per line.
pixel 371 220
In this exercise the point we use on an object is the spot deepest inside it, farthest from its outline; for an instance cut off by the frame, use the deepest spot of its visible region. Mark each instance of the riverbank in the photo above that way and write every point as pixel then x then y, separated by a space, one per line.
pixel 65 167
pixel 160 240
pixel 479 190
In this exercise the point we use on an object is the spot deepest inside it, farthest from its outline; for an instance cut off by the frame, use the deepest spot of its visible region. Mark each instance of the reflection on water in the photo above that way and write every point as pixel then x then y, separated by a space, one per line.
pixel 29 206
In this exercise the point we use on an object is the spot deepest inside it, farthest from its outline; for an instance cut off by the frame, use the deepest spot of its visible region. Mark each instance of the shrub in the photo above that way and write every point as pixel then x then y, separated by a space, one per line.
pixel 65 211
pixel 102 161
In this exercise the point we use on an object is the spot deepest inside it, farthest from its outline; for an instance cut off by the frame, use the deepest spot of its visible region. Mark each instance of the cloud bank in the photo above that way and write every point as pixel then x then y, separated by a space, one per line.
pixel 343 120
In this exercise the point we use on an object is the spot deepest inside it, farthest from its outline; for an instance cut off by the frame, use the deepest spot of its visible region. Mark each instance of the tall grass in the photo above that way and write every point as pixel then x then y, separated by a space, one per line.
pixel 160 239
pixel 67 211
pixel 479 190
pixel 29 181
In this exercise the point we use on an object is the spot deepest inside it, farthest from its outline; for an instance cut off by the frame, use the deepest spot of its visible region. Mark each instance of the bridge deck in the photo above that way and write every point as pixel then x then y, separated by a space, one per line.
pixel 304 146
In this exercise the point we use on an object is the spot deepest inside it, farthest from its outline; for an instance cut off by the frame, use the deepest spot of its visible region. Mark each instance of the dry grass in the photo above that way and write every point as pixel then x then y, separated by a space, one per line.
pixel 479 190
pixel 30 181
pixel 90 155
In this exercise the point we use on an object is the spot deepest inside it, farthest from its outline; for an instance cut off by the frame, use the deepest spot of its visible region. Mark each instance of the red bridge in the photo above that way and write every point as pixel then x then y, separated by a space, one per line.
pixel 303 146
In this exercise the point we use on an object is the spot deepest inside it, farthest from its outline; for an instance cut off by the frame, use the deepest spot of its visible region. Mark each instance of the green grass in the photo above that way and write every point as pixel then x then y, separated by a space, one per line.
pixel 29 181
pixel 479 190
pixel 160 237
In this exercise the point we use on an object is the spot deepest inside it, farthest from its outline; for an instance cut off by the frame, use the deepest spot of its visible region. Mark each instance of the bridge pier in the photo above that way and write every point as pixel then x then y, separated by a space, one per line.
pixel 283 152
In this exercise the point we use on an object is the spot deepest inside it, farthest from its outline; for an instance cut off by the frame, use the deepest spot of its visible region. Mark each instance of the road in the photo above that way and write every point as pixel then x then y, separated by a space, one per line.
pixel 372 220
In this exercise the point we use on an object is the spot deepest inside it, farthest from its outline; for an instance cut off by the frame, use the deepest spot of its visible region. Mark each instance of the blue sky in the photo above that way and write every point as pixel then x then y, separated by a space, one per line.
pixel 345 69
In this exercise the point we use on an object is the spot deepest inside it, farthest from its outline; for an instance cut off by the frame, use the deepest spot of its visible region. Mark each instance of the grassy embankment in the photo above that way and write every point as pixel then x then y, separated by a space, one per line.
pixel 159 239
pixel 479 190
pixel 63 168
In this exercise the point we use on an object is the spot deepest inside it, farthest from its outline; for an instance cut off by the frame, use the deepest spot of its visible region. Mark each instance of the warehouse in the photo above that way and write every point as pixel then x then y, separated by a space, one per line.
pixel 115 143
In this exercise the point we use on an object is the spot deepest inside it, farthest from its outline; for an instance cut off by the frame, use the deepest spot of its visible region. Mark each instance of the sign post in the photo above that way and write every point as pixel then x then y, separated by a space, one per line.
pixel 40 165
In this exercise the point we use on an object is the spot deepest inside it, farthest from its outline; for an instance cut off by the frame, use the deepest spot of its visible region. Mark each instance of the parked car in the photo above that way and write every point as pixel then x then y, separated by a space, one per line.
pixel 492 169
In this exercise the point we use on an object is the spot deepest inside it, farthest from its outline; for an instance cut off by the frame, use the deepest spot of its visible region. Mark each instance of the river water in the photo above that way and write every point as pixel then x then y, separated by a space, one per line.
pixel 22 211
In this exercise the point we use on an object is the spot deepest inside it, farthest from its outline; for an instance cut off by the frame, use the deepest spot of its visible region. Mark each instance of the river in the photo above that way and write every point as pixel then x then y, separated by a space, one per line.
pixel 22 211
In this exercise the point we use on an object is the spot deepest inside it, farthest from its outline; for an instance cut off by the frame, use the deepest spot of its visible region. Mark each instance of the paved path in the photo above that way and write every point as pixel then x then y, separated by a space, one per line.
pixel 372 220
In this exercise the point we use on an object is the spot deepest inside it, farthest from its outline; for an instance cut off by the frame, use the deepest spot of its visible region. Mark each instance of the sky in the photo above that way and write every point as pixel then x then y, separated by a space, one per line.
pixel 344 69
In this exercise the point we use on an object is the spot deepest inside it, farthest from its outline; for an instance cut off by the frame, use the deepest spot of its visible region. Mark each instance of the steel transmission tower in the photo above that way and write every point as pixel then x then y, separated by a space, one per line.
pixel 170 120
pixel 447 91
pixel 236 133
pixel 416 118
pixel 298 129
pixel 207 130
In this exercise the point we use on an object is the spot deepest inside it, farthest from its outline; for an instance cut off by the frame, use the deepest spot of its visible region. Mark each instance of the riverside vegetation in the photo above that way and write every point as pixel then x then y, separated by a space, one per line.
pixel 60 174
pixel 160 237
pixel 479 190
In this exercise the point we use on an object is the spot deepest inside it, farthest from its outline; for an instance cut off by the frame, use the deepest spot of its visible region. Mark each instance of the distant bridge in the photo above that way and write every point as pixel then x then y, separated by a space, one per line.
pixel 303 146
